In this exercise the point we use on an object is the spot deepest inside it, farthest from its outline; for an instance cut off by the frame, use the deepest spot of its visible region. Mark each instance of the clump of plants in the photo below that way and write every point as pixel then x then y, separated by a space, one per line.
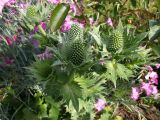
pixel 59 64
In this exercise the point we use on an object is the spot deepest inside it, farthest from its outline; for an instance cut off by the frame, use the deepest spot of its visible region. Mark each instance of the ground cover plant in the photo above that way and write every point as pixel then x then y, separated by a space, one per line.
pixel 80 60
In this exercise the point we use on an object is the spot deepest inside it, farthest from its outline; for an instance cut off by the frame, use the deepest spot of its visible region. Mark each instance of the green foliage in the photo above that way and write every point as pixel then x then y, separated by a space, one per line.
pixel 58 16
pixel 41 69
pixel 31 11
pixel 117 71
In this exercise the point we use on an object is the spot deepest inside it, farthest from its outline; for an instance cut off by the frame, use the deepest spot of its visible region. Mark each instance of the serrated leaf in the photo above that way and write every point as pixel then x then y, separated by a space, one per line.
pixel 72 92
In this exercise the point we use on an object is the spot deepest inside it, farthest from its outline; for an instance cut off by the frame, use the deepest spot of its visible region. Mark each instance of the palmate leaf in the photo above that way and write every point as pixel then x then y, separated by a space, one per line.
pixel 116 71
pixel 72 92
pixel 40 69
pixel 85 110
pixel 91 85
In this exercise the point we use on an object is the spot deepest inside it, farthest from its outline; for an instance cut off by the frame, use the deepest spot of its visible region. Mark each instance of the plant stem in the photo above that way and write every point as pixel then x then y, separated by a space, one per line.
pixel 41 30
pixel 79 9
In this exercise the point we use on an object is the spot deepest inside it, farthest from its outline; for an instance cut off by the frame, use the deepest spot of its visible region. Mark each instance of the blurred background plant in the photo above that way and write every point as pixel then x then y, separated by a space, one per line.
pixel 79 60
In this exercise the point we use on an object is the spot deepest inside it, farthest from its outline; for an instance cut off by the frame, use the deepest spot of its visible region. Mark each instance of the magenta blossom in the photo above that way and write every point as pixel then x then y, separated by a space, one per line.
pixel 157 66
pixel 11 41
pixel 8 61
pixel 11 2
pixel 100 105
pixel 149 89
pixel 2 4
pixel 74 9
pixel 54 1
pixel 91 21
pixel 109 22
pixel 149 68
pixel 135 93
pixel 67 24
pixel 45 55
pixel 152 77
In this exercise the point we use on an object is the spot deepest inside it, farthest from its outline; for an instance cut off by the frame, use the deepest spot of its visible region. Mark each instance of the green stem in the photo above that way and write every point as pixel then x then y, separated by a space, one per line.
pixel 41 30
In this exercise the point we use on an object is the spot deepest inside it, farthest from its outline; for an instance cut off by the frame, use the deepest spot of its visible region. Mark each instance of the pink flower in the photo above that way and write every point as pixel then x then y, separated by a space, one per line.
pixel 148 67
pixel 45 55
pixel 152 77
pixel 91 21
pixel 74 9
pixel 100 105
pixel 157 66
pixel 67 24
pixel 2 3
pixel 149 89
pixel 10 41
pixel 81 23
pixel 154 89
pixel 11 2
pixel 109 22
pixel 8 61
pixel 54 1
pixel 135 93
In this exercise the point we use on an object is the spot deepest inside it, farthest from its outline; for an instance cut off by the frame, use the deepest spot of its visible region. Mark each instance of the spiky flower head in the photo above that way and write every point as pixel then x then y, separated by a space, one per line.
pixel 76 32
pixel 116 41
pixel 76 52
pixel 31 11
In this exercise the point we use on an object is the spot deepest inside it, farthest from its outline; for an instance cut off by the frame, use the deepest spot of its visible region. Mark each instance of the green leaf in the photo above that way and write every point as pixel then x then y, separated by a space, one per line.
pixel 156 49
pixel 58 16
pixel 134 3
pixel 40 69
pixel 154 32
pixel 54 110
pixel 111 72
pixel 106 116
pixel 96 37
pixel 72 91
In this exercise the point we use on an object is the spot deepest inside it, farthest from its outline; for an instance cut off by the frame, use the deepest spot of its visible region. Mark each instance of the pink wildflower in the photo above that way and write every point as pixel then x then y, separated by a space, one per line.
pixel 149 68
pixel 8 61
pixel 154 89
pixel 67 24
pixel 10 41
pixel 45 55
pixel 109 22
pixel 54 1
pixel 149 89
pixel 2 4
pixel 152 77
pixel 91 21
pixel 135 93
pixel 11 2
pixel 74 9
pixel 100 105
pixel 157 66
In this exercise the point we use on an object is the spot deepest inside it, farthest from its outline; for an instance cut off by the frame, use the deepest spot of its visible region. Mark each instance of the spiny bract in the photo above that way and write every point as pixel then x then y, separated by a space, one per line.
pixel 76 52
pixel 76 32
pixel 31 11
pixel 116 41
